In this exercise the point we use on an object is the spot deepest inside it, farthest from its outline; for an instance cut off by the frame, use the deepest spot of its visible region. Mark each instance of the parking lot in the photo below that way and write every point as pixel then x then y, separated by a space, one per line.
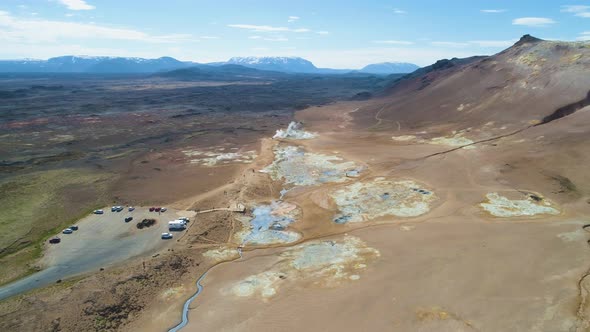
pixel 101 240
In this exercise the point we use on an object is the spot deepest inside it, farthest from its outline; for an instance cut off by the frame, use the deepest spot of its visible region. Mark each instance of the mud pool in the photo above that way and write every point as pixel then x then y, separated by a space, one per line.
pixel 362 201
pixel 221 254
pixel 458 139
pixel 269 225
pixel 404 138
pixel 300 168
pixel 219 156
pixel 501 206
pixel 322 263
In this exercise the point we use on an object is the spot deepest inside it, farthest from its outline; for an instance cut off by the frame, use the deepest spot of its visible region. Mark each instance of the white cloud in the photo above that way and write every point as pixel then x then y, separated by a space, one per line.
pixel 276 39
pixel 77 5
pixel 266 28
pixel 31 30
pixel 293 19
pixel 258 28
pixel 584 36
pixel 393 42
pixel 478 43
pixel 493 11
pixel 449 44
pixel 399 11
pixel 578 10
pixel 209 37
pixel 533 21
pixel 574 8
pixel 323 32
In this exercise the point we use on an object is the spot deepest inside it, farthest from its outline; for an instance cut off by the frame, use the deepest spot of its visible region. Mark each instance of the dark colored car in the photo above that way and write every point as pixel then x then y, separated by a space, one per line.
pixel 54 240
pixel 74 228
pixel 128 219
pixel 152 209
pixel 158 209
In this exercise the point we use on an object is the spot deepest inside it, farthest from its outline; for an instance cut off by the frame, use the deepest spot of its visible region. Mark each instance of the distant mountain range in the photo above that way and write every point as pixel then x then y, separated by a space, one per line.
pixel 283 64
pixel 91 64
pixel 300 65
pixel 386 68
pixel 122 65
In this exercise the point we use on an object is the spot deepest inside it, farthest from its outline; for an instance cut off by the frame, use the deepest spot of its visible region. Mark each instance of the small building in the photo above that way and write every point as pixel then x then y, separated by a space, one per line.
pixel 238 207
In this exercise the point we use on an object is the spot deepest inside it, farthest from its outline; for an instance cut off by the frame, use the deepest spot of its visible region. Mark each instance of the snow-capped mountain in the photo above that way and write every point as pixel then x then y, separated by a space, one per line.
pixel 92 64
pixel 300 65
pixel 284 64
pixel 386 68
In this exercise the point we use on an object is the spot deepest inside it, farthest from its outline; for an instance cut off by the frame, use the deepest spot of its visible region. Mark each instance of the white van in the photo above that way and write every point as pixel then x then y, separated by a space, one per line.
pixel 176 225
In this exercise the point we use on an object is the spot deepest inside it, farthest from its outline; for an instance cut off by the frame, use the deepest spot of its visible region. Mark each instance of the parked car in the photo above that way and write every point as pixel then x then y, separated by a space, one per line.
pixel 158 209
pixel 68 231
pixel 128 219
pixel 73 227
pixel 166 236
pixel 98 212
pixel 163 209
pixel 113 209
pixel 131 208
pixel 185 219
pixel 120 208
pixel 152 209
pixel 54 240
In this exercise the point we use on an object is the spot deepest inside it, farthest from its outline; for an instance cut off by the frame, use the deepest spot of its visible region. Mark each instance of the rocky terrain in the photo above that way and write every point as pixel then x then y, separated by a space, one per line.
pixel 455 199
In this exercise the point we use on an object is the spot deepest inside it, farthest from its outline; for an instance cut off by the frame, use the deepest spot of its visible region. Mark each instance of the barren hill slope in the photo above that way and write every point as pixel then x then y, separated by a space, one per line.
pixel 523 85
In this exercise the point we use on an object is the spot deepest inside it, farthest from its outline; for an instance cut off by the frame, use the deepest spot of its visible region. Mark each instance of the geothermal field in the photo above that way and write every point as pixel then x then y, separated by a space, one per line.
pixel 455 199
pixel 471 224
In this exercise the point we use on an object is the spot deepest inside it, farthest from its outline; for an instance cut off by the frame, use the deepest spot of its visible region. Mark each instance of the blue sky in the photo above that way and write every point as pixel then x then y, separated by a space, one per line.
pixel 337 34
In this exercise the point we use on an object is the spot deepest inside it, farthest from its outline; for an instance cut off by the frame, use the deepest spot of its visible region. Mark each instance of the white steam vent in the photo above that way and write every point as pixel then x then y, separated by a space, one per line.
pixel 294 131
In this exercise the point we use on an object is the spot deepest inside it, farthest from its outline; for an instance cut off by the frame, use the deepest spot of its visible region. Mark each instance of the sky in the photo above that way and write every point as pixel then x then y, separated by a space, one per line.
pixel 333 34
